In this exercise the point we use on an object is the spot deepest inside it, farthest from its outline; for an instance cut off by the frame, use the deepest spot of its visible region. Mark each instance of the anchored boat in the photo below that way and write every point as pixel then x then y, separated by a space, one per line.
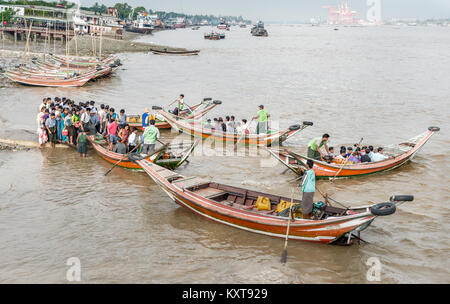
pixel 399 155
pixel 236 207
pixel 164 51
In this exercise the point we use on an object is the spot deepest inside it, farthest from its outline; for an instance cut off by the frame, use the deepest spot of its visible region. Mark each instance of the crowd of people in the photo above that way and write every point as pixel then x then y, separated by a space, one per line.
pixel 61 120
pixel 349 155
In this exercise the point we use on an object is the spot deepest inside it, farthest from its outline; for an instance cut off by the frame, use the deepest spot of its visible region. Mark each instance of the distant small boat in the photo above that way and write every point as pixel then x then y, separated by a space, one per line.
pixel 194 28
pixel 259 30
pixel 214 36
pixel 164 51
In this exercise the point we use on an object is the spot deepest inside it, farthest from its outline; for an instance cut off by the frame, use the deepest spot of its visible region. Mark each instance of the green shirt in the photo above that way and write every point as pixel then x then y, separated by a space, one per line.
pixel 262 115
pixel 313 143
pixel 150 135
pixel 309 183
pixel 82 138
pixel 180 105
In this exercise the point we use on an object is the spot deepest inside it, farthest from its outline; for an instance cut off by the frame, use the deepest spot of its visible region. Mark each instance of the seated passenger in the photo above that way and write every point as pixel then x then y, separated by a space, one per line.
pixel 349 152
pixel 341 157
pixel 208 125
pixel 371 153
pixel 331 152
pixel 365 158
pixel 363 150
pixel 120 147
pixel 379 156
pixel 353 158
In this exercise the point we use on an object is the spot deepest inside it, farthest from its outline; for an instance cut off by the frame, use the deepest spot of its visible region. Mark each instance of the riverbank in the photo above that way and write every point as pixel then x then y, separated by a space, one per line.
pixel 86 46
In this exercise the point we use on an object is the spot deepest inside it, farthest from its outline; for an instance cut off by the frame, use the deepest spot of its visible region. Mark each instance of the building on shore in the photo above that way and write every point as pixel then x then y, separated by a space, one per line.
pixel 59 19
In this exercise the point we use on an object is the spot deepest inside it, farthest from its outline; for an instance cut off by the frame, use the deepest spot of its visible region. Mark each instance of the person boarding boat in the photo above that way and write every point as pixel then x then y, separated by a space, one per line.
pixel 314 146
pixel 151 134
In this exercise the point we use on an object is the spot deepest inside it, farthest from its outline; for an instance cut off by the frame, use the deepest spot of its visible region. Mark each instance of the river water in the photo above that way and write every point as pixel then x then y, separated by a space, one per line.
pixel 384 84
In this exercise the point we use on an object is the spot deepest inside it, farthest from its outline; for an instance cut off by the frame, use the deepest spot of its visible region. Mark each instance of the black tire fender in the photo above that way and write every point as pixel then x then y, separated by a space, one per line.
pixel 217 102
pixel 402 198
pixel 308 123
pixel 156 108
pixel 434 129
pixel 294 127
pixel 383 209
pixel 207 99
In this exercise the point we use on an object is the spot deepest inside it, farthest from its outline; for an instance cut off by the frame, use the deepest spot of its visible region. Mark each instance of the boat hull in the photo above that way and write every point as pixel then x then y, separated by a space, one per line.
pixel 318 231
pixel 195 129
pixel 325 170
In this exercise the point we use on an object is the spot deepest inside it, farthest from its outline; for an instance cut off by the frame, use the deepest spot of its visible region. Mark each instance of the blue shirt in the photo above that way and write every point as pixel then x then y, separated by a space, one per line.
pixel 309 182
pixel 50 123
pixel 145 122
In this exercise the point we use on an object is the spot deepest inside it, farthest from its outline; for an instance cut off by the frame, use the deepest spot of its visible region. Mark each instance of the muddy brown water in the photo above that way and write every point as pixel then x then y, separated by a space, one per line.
pixel 385 84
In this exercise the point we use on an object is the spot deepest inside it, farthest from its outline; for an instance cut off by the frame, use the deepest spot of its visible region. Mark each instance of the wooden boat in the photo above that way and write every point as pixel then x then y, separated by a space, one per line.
pixel 196 111
pixel 171 157
pixel 85 62
pixel 399 155
pixel 52 80
pixel 234 206
pixel 195 128
pixel 213 36
pixel 49 81
pixel 164 51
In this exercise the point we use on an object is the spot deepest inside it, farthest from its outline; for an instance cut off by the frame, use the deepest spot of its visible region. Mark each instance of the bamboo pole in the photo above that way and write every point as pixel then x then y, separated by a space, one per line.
pixel 26 50
pixel 54 38
pixel 75 39
pixel 101 38
pixel 45 42
pixel 67 47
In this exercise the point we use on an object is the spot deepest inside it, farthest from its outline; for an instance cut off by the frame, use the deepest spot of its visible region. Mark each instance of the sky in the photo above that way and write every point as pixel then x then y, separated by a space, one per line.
pixel 290 11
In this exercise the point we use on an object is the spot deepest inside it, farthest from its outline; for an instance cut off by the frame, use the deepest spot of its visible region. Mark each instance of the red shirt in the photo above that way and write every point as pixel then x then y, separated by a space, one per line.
pixel 112 129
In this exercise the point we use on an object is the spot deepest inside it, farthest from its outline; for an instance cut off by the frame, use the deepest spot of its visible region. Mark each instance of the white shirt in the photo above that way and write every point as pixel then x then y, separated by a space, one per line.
pixel 85 117
pixel 132 139
pixel 379 157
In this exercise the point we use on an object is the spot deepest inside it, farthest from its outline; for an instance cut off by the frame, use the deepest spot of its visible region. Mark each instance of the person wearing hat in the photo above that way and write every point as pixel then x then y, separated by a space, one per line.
pixel 263 118
pixel 145 118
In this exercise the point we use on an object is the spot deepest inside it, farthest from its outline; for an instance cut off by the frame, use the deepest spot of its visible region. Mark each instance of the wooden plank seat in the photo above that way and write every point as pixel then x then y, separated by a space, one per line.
pixel 189 182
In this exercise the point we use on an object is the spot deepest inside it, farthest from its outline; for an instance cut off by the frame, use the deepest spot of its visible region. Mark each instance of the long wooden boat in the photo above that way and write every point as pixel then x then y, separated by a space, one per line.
pixel 235 207
pixel 164 51
pixel 196 111
pixel 89 63
pixel 399 155
pixel 172 156
pixel 48 81
pixel 195 128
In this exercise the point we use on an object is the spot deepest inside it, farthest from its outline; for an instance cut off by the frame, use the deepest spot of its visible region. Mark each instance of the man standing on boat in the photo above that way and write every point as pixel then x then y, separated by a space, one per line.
pixel 314 146
pixel 145 118
pixel 263 118
pixel 308 189
pixel 179 106
pixel 151 134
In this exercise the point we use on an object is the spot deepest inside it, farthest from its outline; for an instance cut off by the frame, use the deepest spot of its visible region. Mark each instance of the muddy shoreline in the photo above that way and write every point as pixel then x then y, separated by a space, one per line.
pixel 83 46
